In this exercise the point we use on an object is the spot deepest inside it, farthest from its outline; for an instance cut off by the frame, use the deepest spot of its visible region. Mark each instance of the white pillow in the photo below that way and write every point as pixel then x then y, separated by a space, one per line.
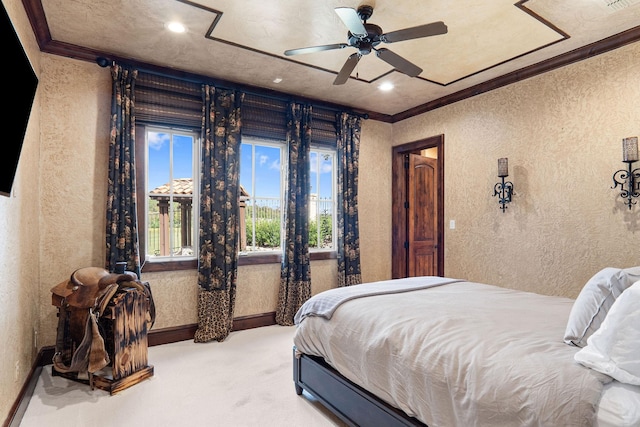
pixel 614 349
pixel 634 272
pixel 594 301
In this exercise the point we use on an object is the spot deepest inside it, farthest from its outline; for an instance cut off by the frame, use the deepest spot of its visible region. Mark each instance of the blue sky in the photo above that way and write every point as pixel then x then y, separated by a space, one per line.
pixel 267 172
pixel 267 179
pixel 159 158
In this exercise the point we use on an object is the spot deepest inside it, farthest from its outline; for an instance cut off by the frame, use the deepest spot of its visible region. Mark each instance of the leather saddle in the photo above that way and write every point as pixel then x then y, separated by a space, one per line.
pixel 82 300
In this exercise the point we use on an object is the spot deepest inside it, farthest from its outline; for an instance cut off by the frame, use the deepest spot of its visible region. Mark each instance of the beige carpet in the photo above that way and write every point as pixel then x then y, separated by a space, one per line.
pixel 247 380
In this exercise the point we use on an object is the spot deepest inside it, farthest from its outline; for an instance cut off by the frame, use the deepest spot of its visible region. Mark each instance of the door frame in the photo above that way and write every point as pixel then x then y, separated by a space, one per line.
pixel 399 193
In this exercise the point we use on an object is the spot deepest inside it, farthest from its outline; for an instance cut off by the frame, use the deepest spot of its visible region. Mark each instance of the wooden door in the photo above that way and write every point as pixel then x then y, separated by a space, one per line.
pixel 422 216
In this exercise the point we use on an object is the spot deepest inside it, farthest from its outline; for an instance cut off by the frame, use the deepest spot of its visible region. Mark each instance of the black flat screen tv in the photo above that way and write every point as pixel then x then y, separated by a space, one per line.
pixel 20 83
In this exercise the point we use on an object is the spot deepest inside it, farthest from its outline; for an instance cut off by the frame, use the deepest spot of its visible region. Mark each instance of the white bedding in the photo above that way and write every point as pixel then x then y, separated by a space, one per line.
pixel 619 406
pixel 324 305
pixel 461 354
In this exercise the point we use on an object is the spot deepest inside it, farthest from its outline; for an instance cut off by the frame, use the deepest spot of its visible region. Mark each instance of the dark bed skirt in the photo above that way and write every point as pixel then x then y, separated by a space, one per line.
pixel 348 401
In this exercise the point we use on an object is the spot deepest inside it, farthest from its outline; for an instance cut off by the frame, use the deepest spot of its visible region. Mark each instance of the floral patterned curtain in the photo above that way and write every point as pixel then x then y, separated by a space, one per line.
pixel 122 228
pixel 219 209
pixel 348 229
pixel 295 278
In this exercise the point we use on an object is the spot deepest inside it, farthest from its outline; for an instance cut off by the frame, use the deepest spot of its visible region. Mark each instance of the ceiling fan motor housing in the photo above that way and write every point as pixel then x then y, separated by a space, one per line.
pixel 365 44
pixel 365 12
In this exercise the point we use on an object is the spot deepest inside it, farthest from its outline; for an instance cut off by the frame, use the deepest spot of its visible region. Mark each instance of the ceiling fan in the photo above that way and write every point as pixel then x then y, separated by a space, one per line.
pixel 366 37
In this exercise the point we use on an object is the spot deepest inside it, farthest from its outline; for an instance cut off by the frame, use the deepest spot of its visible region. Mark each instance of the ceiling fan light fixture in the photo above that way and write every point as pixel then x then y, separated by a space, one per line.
pixel 386 86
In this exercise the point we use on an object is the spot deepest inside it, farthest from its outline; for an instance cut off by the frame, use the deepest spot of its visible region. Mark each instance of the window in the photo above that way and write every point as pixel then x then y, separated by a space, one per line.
pixel 262 192
pixel 322 203
pixel 168 123
pixel 170 202
pixel 262 177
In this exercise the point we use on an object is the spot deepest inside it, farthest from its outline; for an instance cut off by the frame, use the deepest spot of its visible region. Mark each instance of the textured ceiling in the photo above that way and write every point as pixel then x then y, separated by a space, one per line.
pixel 244 41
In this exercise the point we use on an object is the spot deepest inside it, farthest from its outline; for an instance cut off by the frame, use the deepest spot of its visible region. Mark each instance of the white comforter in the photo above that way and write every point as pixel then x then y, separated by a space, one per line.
pixel 460 354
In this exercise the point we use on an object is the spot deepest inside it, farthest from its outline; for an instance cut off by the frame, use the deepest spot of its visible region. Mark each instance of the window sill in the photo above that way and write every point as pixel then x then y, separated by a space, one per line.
pixel 245 259
pixel 150 267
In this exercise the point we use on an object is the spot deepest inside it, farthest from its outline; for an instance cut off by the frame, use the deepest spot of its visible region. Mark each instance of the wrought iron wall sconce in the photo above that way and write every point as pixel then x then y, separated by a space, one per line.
pixel 504 189
pixel 628 180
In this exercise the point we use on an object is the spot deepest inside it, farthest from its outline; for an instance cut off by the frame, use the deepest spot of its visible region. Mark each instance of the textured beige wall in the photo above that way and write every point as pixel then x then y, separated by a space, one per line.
pixel 19 245
pixel 374 201
pixel 562 133
pixel 73 167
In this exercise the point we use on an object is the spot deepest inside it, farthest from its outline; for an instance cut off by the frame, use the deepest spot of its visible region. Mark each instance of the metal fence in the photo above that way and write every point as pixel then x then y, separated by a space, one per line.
pixel 153 235
pixel 263 223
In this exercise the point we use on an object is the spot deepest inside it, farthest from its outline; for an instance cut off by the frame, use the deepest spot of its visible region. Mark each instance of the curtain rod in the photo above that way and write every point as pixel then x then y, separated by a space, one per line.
pixel 196 78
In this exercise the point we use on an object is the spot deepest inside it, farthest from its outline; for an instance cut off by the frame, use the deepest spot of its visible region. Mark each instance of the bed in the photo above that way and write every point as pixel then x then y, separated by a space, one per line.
pixel 445 352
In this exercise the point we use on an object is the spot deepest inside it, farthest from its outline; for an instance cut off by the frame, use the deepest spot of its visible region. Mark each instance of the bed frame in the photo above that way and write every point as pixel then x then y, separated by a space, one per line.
pixel 348 401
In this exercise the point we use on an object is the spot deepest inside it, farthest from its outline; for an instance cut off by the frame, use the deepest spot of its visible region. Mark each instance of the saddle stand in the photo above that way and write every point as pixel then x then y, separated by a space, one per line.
pixel 103 320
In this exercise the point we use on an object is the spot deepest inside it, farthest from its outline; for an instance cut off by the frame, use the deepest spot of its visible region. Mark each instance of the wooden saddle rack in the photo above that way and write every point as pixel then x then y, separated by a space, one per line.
pixel 103 320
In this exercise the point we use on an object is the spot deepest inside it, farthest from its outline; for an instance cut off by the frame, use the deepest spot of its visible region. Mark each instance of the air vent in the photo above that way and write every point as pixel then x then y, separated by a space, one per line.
pixel 615 5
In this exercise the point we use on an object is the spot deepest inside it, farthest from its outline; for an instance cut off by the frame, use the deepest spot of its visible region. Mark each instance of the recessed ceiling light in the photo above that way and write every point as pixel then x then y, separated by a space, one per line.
pixel 176 27
pixel 277 80
pixel 386 86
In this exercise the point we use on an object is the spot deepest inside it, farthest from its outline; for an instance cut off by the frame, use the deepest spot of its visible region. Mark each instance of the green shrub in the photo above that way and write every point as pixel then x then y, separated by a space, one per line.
pixel 313 234
pixel 267 233
pixel 325 229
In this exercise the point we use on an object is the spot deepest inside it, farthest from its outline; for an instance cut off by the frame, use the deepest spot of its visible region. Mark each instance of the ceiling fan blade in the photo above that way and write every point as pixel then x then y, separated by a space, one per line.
pixel 432 29
pixel 312 49
pixel 352 21
pixel 398 62
pixel 347 68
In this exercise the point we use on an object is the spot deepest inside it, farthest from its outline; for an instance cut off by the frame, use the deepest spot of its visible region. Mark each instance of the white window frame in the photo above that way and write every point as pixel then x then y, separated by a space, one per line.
pixel 321 151
pixel 195 202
